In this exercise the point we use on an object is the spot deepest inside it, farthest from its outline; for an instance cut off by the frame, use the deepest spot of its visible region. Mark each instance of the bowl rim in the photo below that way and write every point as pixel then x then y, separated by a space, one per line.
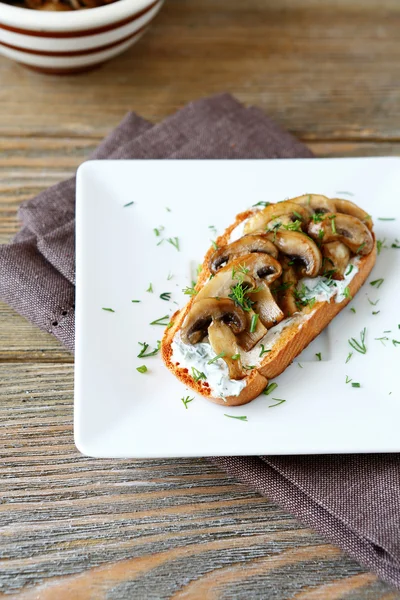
pixel 87 19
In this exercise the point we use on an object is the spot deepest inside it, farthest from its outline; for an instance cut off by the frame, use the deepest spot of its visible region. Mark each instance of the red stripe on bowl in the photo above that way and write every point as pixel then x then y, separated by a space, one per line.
pixel 81 32
pixel 76 52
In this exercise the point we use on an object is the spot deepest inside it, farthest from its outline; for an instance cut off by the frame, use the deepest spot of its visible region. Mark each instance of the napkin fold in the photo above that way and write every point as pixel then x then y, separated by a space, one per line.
pixel 353 500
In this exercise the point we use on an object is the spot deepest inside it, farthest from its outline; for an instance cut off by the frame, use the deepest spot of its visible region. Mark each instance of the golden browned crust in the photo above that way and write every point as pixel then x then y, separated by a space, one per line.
pixel 292 340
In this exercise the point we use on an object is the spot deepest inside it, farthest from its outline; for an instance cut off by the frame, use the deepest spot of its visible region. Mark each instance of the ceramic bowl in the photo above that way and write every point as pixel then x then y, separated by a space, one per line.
pixel 73 41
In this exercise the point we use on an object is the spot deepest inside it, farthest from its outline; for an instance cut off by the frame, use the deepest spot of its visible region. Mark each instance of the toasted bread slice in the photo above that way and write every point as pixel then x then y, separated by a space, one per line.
pixel 291 342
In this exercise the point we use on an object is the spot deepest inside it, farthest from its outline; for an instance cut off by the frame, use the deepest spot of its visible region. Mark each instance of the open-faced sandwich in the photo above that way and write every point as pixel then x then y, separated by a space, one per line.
pixel 277 277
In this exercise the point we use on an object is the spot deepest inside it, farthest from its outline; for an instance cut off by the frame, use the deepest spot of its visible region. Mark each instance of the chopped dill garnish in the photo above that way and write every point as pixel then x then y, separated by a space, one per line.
pixel 346 293
pixel 128 204
pixel 359 346
pixel 350 354
pixel 262 203
pixel 108 309
pixel 270 388
pixel 160 321
pixel 213 360
pixel 318 355
pixel 189 291
pixel 380 244
pixel 355 385
pixel 377 282
pixel 253 323
pixel 144 354
pixel 142 369
pixel 187 400
pixel 295 226
pixel 165 296
pixel 278 402
pixel 150 288
pixel 197 375
pixel 174 242
pixel 243 418
pixel 333 223
pixel 263 351
pixel 373 303
pixel 158 231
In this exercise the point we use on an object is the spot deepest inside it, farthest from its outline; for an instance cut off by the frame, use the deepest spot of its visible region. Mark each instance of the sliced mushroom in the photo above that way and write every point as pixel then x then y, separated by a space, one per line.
pixel 300 248
pixel 245 245
pixel 336 256
pixel 256 266
pixel 259 221
pixel 204 312
pixel 221 284
pixel 265 306
pixel 349 208
pixel 223 341
pixel 343 228
pixel 264 270
pixel 318 203
pixel 285 291
pixel 247 339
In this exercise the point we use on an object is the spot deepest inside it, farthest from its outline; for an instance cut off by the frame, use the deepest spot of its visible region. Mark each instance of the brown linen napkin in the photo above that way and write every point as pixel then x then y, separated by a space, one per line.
pixel 354 501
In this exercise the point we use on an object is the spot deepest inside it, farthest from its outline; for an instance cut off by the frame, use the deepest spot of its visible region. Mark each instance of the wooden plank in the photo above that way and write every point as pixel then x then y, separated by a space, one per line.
pixel 82 528
pixel 322 69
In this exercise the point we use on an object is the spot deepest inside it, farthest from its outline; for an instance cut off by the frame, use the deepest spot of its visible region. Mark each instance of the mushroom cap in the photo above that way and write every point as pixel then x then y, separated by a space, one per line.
pixel 336 256
pixel 258 266
pixel 316 202
pixel 299 246
pixel 347 229
pixel 260 220
pixel 349 208
pixel 204 312
pixel 221 284
pixel 254 242
pixel 223 340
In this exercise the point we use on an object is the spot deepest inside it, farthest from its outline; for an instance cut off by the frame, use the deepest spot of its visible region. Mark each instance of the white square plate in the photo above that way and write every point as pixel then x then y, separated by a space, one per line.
pixel 120 412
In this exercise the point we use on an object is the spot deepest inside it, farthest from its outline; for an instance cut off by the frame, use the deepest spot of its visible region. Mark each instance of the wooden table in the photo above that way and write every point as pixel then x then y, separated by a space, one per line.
pixel 78 528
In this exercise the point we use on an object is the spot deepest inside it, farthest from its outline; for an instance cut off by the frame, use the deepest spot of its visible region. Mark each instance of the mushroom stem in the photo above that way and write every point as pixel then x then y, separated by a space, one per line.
pixel 247 339
pixel 223 341
pixel 265 306
pixel 205 311
pixel 336 256
pixel 285 292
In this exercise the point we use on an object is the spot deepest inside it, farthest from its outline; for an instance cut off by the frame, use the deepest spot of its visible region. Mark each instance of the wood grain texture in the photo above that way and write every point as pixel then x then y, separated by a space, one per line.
pixel 75 527
pixel 322 69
